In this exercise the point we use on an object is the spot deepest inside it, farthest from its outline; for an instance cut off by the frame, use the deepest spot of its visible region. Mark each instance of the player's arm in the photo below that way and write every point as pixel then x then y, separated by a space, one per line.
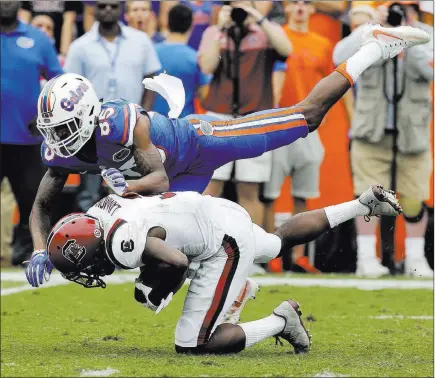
pixel 49 190
pixel 159 253
pixel 149 163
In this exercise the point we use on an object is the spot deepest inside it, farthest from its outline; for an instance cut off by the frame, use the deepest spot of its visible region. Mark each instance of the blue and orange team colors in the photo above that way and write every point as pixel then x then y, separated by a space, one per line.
pixel 191 148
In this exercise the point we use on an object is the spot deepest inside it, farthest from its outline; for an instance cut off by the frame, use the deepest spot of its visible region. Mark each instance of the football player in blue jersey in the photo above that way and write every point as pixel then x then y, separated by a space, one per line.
pixel 119 139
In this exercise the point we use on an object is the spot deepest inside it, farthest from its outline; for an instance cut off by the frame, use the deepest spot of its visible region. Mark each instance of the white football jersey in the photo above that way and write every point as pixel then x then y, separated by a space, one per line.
pixel 193 224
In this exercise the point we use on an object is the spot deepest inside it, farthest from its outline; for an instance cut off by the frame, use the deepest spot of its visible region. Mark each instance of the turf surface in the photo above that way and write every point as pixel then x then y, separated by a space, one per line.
pixel 67 330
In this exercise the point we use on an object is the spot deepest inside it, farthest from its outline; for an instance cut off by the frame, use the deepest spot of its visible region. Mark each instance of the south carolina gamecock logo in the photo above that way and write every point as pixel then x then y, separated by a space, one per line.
pixel 73 251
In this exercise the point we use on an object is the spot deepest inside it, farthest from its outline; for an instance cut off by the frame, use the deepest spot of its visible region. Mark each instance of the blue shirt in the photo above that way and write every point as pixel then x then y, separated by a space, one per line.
pixel 26 53
pixel 115 69
pixel 181 61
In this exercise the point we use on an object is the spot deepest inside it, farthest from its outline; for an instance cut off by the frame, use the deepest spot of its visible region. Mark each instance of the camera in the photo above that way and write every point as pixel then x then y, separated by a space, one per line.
pixel 238 15
pixel 396 14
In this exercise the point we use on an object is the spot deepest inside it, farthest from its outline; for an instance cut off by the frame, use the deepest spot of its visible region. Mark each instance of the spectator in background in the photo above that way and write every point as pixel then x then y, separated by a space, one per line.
pixel 263 44
pixel 90 9
pixel 115 58
pixel 309 62
pixel 64 15
pixel 181 61
pixel 372 145
pixel 326 20
pixel 202 17
pixel 26 53
pixel 139 15
pixel 360 13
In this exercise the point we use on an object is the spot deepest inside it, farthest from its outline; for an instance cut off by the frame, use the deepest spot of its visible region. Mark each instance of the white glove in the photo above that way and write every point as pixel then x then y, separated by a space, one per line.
pixel 146 291
pixel 115 180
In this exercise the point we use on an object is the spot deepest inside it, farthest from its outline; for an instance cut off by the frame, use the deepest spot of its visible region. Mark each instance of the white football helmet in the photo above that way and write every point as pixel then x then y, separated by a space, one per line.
pixel 68 110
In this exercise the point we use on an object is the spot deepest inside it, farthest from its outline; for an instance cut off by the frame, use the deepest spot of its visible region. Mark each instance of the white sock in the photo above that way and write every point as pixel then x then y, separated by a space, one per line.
pixel 414 248
pixel 341 213
pixel 366 247
pixel 360 61
pixel 259 330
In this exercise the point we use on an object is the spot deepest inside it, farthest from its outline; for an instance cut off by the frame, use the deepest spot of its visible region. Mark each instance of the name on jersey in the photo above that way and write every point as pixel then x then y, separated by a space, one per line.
pixel 108 204
pixel 75 96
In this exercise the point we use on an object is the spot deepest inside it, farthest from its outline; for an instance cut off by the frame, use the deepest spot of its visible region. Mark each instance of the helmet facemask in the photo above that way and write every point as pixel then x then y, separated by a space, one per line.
pixel 90 276
pixel 67 138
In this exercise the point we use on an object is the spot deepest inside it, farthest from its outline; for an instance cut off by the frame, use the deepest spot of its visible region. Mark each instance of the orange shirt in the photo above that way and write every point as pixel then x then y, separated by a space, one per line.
pixel 309 62
pixel 326 26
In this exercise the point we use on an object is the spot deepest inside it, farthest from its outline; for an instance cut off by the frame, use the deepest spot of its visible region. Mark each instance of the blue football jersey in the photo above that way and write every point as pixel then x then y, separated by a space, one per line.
pixel 175 140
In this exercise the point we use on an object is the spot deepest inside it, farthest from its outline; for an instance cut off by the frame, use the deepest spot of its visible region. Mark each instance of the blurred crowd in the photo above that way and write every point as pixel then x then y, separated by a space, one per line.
pixel 380 132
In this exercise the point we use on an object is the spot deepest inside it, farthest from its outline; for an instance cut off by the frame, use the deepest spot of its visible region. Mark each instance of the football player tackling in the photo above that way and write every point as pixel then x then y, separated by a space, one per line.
pixel 156 153
pixel 163 234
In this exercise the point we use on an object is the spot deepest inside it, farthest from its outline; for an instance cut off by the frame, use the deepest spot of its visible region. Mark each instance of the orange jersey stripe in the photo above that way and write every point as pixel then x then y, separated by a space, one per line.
pixel 273 114
pixel 124 135
pixel 261 130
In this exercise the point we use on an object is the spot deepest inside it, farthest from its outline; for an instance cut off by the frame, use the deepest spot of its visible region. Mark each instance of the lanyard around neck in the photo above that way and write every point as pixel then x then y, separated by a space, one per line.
pixel 115 56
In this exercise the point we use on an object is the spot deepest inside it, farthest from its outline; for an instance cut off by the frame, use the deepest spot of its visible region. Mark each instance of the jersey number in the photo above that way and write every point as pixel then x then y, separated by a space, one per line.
pixel 103 120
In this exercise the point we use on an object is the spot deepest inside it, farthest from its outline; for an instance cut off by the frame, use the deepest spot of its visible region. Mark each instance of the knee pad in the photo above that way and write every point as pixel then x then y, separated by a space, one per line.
pixel 413 210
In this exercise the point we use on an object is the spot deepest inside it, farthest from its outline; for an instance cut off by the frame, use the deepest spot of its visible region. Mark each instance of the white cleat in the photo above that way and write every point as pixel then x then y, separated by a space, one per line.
pixel 294 330
pixel 393 40
pixel 248 292
pixel 380 202
pixel 371 268
pixel 418 268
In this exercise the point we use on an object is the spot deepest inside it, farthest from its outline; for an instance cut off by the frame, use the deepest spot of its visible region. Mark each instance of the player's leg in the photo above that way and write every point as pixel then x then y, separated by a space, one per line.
pixel 25 175
pixel 413 180
pixel 305 227
pixel 376 43
pixel 256 133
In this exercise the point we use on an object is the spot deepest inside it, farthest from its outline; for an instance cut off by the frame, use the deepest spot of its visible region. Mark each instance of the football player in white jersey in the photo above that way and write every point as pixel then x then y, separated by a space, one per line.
pixel 165 234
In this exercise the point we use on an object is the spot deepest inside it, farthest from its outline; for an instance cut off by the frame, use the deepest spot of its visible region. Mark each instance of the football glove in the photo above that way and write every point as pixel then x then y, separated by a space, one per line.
pixel 145 290
pixel 115 180
pixel 39 268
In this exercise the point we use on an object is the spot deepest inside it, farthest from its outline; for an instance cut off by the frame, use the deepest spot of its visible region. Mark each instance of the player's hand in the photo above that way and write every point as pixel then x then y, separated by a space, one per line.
pixel 39 268
pixel 255 13
pixel 224 17
pixel 142 293
pixel 115 180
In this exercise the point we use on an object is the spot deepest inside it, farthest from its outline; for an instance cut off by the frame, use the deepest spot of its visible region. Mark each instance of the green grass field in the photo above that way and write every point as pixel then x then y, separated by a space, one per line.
pixel 68 331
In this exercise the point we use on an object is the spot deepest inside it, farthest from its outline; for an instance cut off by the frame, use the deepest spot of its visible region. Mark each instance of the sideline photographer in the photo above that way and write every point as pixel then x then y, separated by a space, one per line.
pixel 242 84
pixel 391 137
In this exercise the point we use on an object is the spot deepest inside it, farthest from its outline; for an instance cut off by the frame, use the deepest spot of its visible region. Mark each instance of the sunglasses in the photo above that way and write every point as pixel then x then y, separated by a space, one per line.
pixel 104 5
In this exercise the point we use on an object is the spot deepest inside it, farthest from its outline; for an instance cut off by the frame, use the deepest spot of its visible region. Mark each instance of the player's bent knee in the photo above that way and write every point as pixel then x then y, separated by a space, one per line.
pixel 413 210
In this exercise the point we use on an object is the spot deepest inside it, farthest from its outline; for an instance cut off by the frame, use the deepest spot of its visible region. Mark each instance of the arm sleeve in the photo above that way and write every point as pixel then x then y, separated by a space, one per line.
pixel 348 46
pixel 52 66
pixel 152 62
pixel 125 244
pixel 73 62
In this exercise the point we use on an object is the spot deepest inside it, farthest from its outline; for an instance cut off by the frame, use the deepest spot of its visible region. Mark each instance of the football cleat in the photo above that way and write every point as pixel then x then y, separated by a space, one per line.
pixel 393 40
pixel 380 202
pixel 294 330
pixel 248 292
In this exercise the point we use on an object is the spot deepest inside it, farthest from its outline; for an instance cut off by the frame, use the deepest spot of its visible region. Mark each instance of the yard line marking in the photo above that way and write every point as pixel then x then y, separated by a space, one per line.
pixel 420 317
pixel 98 373
pixel 328 374
pixel 120 278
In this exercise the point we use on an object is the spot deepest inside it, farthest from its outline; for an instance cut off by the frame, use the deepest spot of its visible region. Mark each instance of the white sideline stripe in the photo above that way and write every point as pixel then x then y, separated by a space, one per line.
pixel 98 373
pixel 421 317
pixel 362 284
pixel 328 374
